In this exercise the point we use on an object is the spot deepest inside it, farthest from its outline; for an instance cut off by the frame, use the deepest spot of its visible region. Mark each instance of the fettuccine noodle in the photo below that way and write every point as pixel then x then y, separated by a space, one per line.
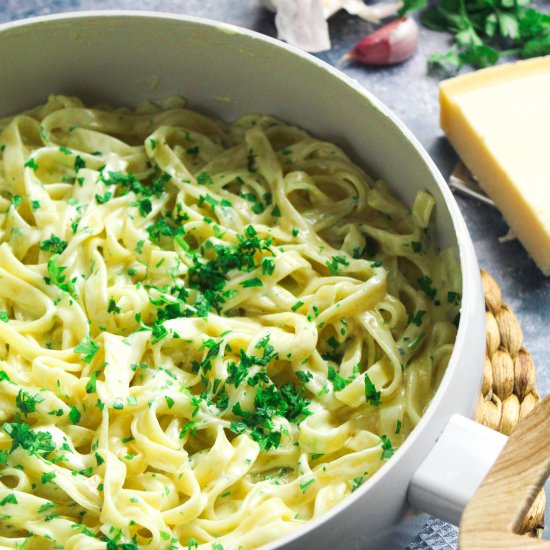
pixel 210 333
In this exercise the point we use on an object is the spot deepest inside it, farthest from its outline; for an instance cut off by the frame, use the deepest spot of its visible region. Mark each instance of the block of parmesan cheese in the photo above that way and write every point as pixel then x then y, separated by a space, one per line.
pixel 498 120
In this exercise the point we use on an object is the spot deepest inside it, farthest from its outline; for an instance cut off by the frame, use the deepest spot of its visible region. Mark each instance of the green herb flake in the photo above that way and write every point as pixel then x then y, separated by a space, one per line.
pixel 145 207
pixel 91 385
pixel 79 163
pixel 169 401
pixel 118 404
pixel 45 507
pixel 426 285
pixel 418 317
pixel 333 343
pixel 356 483
pixel 74 415
pixel 372 396
pixel 251 283
pixel 112 307
pixel 47 477
pixel 26 402
pixel 203 178
pixel 102 199
pixel 9 499
pixel 335 263
pixel 35 442
pixel 306 484
pixel 58 278
pixel 268 266
pixel 454 298
pixel 387 447
pixel 190 427
pixel 53 245
pixel 31 164
pixel 87 348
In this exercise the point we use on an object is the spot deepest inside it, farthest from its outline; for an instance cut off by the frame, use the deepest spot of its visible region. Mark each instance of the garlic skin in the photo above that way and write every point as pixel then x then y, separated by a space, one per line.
pixel 393 43
pixel 303 23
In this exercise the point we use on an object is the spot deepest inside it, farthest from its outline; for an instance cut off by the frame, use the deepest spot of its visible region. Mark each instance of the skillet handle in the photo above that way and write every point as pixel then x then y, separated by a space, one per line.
pixel 493 517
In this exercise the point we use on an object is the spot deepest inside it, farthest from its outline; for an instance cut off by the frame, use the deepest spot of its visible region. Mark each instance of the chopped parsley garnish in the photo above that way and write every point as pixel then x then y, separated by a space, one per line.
pixel 57 278
pixel 166 227
pixel 74 225
pixel 53 245
pixel 9 499
pixel 426 285
pixel 145 207
pixel 356 483
pixel 372 396
pixel 16 201
pixel 45 507
pixel 87 348
pixel 112 307
pixel 31 164
pixel 203 178
pixel 304 376
pixel 118 404
pixel 270 402
pixel 418 317
pixel 91 385
pixel 102 199
pixel 4 317
pixel 387 447
pixel 79 163
pixel 47 477
pixel 335 263
pixel 190 427
pixel 252 283
pixel 169 401
pixel 306 484
pixel 129 182
pixel 338 382
pixel 74 415
pixel 26 402
pixel 23 436
pixel 454 298
pixel 268 266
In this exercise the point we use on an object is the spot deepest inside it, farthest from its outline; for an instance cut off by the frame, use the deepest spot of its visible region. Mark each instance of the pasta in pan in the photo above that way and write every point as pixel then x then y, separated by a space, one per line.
pixel 210 333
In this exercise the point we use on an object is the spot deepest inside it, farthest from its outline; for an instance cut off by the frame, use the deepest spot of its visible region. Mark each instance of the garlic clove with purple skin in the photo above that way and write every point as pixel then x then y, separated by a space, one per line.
pixel 393 43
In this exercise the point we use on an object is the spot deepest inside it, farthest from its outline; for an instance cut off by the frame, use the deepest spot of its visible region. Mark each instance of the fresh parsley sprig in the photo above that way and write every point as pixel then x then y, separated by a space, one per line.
pixel 484 30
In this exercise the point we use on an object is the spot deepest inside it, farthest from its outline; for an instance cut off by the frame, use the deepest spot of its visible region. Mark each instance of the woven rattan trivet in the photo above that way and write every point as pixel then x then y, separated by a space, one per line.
pixel 508 392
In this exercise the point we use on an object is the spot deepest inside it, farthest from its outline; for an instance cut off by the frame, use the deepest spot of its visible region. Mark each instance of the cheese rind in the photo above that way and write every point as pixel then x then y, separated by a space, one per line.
pixel 498 120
